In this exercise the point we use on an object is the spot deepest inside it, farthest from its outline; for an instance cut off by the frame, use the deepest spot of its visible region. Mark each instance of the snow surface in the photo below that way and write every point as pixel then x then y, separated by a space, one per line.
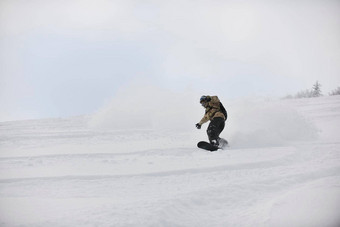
pixel 282 169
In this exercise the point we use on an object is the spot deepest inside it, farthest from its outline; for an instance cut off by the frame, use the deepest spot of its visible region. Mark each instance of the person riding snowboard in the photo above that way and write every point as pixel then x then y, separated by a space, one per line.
pixel 217 115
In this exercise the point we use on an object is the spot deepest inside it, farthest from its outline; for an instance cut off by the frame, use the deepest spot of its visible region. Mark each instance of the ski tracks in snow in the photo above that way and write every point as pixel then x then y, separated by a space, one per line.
pixel 229 187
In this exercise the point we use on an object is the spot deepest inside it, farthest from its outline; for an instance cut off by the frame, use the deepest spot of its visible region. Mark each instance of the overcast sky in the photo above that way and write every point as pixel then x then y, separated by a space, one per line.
pixel 70 57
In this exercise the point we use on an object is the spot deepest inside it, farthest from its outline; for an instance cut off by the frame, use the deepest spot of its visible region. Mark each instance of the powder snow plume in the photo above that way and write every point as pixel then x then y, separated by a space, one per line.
pixel 148 107
pixel 258 123
pixel 251 122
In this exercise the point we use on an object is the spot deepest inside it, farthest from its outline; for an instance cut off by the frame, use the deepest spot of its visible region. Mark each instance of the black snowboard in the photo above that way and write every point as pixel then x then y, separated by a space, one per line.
pixel 206 146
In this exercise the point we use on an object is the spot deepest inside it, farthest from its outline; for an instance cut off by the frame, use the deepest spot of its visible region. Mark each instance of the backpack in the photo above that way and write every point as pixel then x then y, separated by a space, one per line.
pixel 223 110
pixel 215 103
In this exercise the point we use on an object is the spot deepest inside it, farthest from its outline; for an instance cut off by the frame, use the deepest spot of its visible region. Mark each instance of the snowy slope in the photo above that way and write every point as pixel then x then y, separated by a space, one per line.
pixel 282 169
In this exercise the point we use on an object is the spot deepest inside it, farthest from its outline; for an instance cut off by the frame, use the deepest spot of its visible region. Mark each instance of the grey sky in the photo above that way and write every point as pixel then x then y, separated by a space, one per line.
pixel 70 57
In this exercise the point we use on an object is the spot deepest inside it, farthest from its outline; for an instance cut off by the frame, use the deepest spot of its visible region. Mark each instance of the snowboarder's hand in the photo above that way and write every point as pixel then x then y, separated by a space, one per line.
pixel 198 126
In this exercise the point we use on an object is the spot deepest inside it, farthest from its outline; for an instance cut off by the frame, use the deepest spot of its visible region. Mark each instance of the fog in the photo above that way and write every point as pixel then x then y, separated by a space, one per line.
pixel 66 58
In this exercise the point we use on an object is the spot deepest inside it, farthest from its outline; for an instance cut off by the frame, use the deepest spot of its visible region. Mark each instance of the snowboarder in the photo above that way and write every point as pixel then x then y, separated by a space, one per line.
pixel 217 115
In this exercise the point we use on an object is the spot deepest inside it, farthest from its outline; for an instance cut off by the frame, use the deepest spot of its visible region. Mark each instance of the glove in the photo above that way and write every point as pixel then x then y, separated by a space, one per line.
pixel 198 126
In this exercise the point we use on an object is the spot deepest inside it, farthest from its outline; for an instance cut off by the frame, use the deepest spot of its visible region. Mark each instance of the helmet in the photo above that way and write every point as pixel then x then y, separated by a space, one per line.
pixel 203 98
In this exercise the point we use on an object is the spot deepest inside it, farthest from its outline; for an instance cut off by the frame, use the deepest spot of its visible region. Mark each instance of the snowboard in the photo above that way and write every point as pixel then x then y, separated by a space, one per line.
pixel 206 146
